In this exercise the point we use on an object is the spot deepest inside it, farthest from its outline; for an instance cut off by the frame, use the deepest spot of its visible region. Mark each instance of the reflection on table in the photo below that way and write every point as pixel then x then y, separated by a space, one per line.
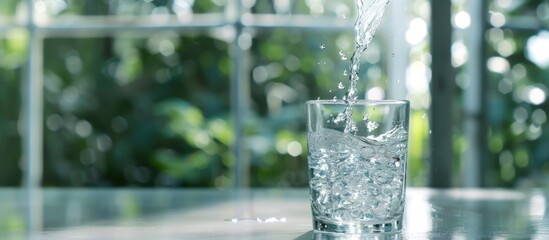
pixel 257 214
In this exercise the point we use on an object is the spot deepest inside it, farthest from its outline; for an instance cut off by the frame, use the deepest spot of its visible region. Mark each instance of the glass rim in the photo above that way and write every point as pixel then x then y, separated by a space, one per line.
pixel 359 102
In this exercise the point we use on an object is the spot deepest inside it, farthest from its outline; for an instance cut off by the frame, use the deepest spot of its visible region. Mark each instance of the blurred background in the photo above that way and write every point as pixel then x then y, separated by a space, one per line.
pixel 211 93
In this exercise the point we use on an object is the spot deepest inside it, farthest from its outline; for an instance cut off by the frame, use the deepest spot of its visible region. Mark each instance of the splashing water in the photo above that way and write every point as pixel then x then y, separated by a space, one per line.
pixel 365 28
pixel 366 25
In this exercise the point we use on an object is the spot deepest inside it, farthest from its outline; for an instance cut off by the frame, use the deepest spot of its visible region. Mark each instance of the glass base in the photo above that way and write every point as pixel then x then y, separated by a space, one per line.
pixel 393 226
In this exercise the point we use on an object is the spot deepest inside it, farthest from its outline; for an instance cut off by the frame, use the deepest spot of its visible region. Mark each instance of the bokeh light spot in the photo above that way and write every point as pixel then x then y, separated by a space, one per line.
pixel 295 149
pixel 462 20
pixel 534 49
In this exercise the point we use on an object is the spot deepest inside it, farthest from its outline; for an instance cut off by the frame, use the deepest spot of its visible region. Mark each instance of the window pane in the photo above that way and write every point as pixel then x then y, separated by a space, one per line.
pixel 13 51
pixel 131 110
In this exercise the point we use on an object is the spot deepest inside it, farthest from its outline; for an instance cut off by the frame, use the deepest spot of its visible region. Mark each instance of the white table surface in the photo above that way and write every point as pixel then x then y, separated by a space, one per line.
pixel 257 214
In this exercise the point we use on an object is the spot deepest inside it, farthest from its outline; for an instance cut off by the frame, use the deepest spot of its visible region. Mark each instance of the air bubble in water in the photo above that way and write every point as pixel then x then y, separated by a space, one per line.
pixel 340 118
pixel 372 126
pixel 367 152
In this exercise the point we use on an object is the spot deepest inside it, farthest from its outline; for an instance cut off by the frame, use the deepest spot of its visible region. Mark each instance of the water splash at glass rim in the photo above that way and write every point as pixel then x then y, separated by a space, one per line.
pixel 360 102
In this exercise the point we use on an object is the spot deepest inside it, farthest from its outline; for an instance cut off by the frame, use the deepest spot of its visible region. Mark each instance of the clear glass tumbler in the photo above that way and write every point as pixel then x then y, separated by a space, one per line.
pixel 357 164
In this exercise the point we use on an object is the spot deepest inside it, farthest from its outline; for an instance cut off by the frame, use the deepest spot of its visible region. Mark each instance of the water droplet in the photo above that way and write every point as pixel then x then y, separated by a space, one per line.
pixel 398 80
pixel 322 46
pixel 343 155
pixel 430 132
pixel 365 117
pixel 345 73
pixel 318 98
pixel 424 116
pixel 340 85
pixel 330 90
pixel 354 128
pixel 342 55
pixel 335 98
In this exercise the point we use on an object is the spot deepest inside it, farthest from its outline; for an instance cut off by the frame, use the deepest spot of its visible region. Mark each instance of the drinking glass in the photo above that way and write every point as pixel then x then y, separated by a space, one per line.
pixel 357 156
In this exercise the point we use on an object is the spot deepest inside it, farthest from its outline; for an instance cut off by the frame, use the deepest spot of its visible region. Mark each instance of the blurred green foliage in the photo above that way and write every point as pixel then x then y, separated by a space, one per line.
pixel 13 53
pixel 518 133
pixel 153 108
pixel 7 8
pixel 136 111
pixel 131 8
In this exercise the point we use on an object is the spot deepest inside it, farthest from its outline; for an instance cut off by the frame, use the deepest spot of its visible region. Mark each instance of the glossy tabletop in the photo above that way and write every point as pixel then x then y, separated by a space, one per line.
pixel 257 214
